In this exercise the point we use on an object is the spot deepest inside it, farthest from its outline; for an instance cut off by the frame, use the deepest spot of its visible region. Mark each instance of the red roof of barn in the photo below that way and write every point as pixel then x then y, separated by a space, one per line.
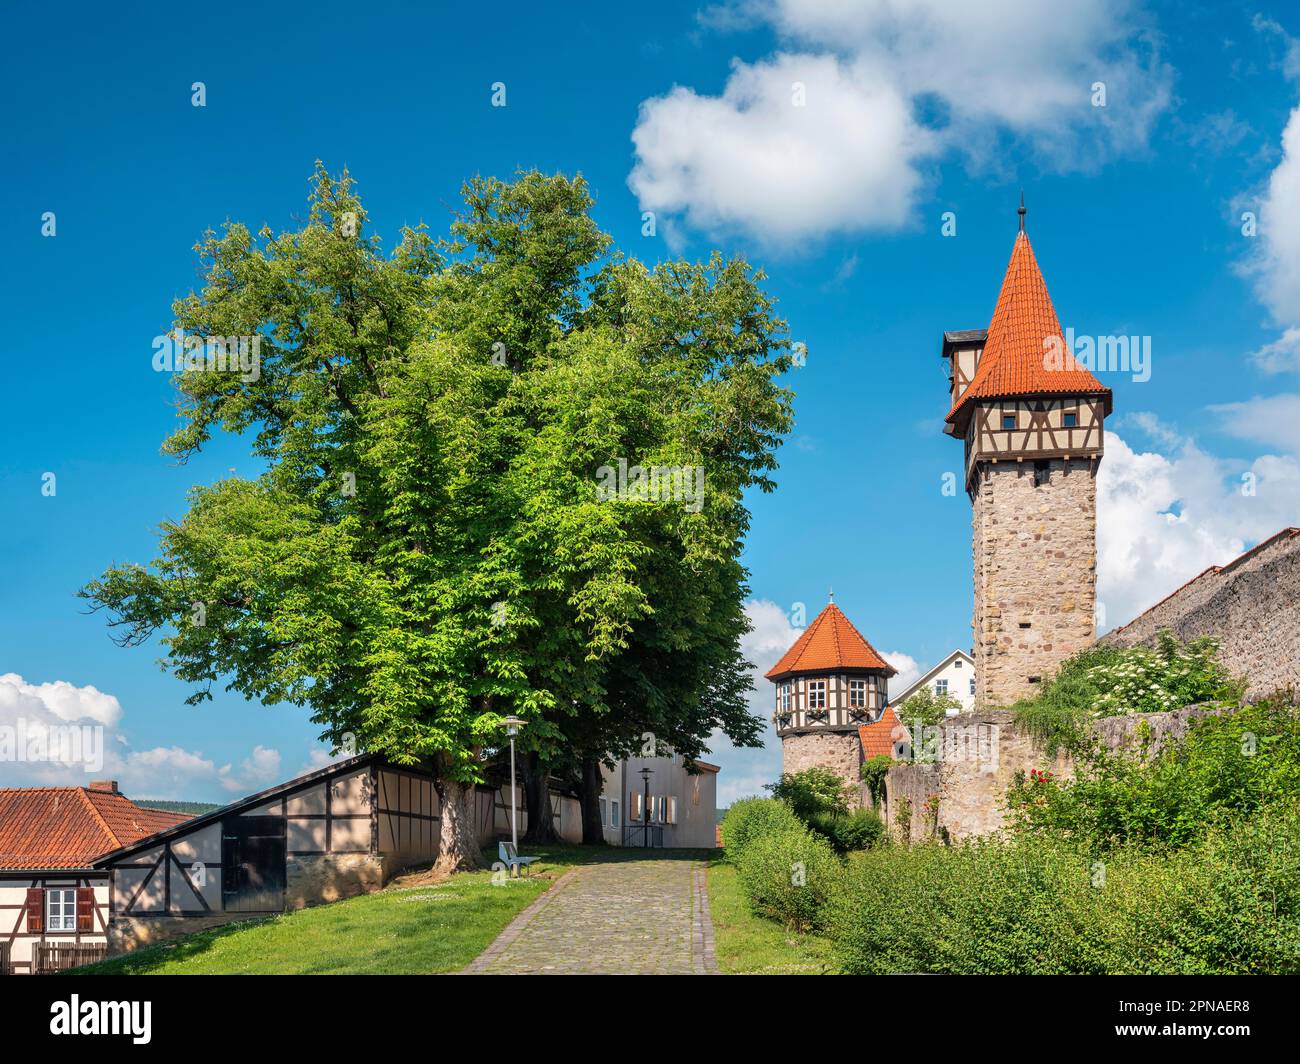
pixel 1014 361
pixel 829 644
pixel 880 736
pixel 68 827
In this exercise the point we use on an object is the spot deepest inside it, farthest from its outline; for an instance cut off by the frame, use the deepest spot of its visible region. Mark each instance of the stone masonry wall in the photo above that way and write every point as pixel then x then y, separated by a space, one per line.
pixel 1035 560
pixel 1251 606
pixel 319 878
pixel 979 753
pixel 841 752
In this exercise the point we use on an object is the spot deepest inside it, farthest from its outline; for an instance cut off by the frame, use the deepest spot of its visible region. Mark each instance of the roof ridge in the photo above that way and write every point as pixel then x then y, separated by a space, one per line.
pixel 85 797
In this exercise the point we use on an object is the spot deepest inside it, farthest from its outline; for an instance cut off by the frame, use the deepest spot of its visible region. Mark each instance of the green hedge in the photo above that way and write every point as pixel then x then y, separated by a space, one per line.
pixel 753 817
pixel 788 874
pixel 1229 903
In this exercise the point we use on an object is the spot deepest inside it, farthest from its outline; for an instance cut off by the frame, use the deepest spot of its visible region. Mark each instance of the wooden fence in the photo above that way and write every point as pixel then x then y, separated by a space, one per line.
pixel 55 956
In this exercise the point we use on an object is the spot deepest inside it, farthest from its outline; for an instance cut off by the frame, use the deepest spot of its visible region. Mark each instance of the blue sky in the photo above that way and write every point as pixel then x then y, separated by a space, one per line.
pixel 1135 210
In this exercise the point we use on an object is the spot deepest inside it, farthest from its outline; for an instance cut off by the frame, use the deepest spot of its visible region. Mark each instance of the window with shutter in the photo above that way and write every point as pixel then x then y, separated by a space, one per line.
pixel 85 908
pixel 35 910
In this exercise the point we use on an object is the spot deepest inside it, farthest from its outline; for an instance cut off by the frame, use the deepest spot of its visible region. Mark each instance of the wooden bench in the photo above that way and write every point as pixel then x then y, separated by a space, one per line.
pixel 511 859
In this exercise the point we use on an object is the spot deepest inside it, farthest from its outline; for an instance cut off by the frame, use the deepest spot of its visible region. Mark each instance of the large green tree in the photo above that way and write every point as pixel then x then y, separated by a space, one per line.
pixel 431 545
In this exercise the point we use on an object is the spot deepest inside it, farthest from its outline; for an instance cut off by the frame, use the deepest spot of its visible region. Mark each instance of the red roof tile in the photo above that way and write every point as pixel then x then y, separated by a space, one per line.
pixel 879 737
pixel 828 644
pixel 68 827
pixel 1014 361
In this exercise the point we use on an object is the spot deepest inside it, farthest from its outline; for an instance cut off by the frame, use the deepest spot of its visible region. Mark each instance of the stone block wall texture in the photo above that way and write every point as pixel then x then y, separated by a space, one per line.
pixel 1251 606
pixel 979 753
pixel 319 878
pixel 1035 560
pixel 841 752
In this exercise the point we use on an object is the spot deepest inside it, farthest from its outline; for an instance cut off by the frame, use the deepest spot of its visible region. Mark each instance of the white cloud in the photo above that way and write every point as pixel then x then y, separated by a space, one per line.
pixel 888 87
pixel 754 160
pixel 257 771
pixel 58 734
pixel 1276 262
pixel 59 700
pixel 1162 519
pixel 1281 355
pixel 908 671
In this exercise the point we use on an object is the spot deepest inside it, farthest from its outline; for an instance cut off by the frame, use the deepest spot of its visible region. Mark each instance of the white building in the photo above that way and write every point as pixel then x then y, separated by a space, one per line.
pixel 682 803
pixel 954 675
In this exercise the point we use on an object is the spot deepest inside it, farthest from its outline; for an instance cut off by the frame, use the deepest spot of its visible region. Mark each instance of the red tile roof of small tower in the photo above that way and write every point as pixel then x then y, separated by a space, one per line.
pixel 829 644
pixel 880 736
pixel 1014 362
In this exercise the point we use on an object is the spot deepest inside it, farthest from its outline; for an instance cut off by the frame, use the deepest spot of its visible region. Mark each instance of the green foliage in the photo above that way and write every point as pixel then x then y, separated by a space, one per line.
pixel 927 708
pixel 858 830
pixel 874 770
pixel 426 550
pixel 1108 681
pixel 1228 764
pixel 1229 903
pixel 787 875
pixel 751 818
pixel 813 792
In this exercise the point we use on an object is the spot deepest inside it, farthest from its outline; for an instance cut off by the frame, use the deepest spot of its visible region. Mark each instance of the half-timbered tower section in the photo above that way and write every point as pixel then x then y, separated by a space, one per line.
pixel 1032 420
pixel 340 831
pixel 54 907
pixel 829 684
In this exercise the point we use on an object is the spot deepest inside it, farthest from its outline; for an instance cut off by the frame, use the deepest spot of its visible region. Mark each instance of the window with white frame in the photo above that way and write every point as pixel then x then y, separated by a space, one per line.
pixel 857 692
pixel 956 663
pixel 613 813
pixel 972 685
pixel 604 810
pixel 816 694
pixel 941 687
pixel 785 698
pixel 61 909
pixel 671 813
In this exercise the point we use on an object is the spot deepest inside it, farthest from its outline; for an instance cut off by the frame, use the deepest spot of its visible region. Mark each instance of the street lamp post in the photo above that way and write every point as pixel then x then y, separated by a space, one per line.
pixel 646 773
pixel 513 724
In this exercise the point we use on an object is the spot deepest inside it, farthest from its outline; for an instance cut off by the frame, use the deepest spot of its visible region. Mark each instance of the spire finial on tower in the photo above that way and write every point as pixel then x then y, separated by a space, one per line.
pixel 832 594
pixel 1021 211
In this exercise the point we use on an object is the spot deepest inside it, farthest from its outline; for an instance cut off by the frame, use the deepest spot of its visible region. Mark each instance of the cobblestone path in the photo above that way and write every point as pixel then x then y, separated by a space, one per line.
pixel 621 917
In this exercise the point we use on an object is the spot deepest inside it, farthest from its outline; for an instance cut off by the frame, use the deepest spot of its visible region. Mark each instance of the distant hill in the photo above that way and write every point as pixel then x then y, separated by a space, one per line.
pixel 193 808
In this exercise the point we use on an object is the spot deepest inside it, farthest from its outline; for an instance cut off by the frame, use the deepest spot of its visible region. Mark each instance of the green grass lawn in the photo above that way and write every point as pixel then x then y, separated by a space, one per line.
pixel 438 928
pixel 745 944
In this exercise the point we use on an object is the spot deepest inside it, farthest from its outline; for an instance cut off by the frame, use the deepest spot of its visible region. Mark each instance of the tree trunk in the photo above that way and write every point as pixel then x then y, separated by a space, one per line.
pixel 458 848
pixel 593 832
pixel 537 800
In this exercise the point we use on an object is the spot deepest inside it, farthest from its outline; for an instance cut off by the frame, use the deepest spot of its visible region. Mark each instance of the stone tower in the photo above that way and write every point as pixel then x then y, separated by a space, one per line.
pixel 829 684
pixel 1032 420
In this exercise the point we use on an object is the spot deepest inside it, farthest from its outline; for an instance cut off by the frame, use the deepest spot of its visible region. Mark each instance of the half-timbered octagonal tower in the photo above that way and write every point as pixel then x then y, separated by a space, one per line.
pixel 829 684
pixel 1032 420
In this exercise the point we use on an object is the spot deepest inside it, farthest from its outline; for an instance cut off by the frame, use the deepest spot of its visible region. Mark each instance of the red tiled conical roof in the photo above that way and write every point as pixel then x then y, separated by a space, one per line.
pixel 828 644
pixel 1015 360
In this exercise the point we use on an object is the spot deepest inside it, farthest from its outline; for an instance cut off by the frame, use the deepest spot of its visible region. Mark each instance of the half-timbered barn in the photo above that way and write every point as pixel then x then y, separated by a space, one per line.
pixel 340 831
pixel 54 907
